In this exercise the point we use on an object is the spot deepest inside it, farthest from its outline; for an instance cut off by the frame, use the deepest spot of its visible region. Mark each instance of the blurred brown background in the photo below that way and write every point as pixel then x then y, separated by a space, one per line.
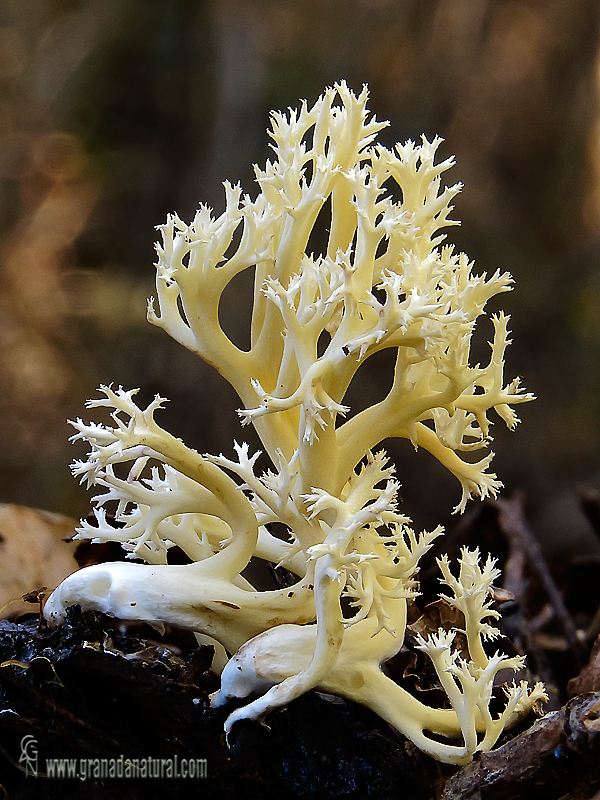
pixel 114 113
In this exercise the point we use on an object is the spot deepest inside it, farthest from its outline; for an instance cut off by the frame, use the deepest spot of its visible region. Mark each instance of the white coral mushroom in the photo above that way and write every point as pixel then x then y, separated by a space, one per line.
pixel 384 281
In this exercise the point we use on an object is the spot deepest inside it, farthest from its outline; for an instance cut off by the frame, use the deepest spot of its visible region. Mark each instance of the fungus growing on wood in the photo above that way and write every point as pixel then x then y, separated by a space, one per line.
pixel 327 508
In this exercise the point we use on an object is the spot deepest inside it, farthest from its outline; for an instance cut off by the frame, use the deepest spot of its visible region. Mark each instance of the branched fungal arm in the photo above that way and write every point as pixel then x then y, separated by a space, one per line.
pixel 327 508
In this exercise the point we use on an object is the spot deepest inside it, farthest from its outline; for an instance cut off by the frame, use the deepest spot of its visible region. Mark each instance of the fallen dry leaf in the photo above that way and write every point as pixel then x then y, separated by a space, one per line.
pixel 32 554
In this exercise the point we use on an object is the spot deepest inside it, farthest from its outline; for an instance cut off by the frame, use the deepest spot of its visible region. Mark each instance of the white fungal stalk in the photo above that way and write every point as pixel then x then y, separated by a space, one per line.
pixel 327 508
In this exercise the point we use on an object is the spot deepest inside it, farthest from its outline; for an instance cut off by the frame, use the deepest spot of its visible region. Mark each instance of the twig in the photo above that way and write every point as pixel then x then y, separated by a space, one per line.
pixel 512 522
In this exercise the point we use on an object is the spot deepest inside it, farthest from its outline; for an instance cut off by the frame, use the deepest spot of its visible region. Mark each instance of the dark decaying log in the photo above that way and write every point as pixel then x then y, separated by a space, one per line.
pixel 88 691
pixel 96 690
